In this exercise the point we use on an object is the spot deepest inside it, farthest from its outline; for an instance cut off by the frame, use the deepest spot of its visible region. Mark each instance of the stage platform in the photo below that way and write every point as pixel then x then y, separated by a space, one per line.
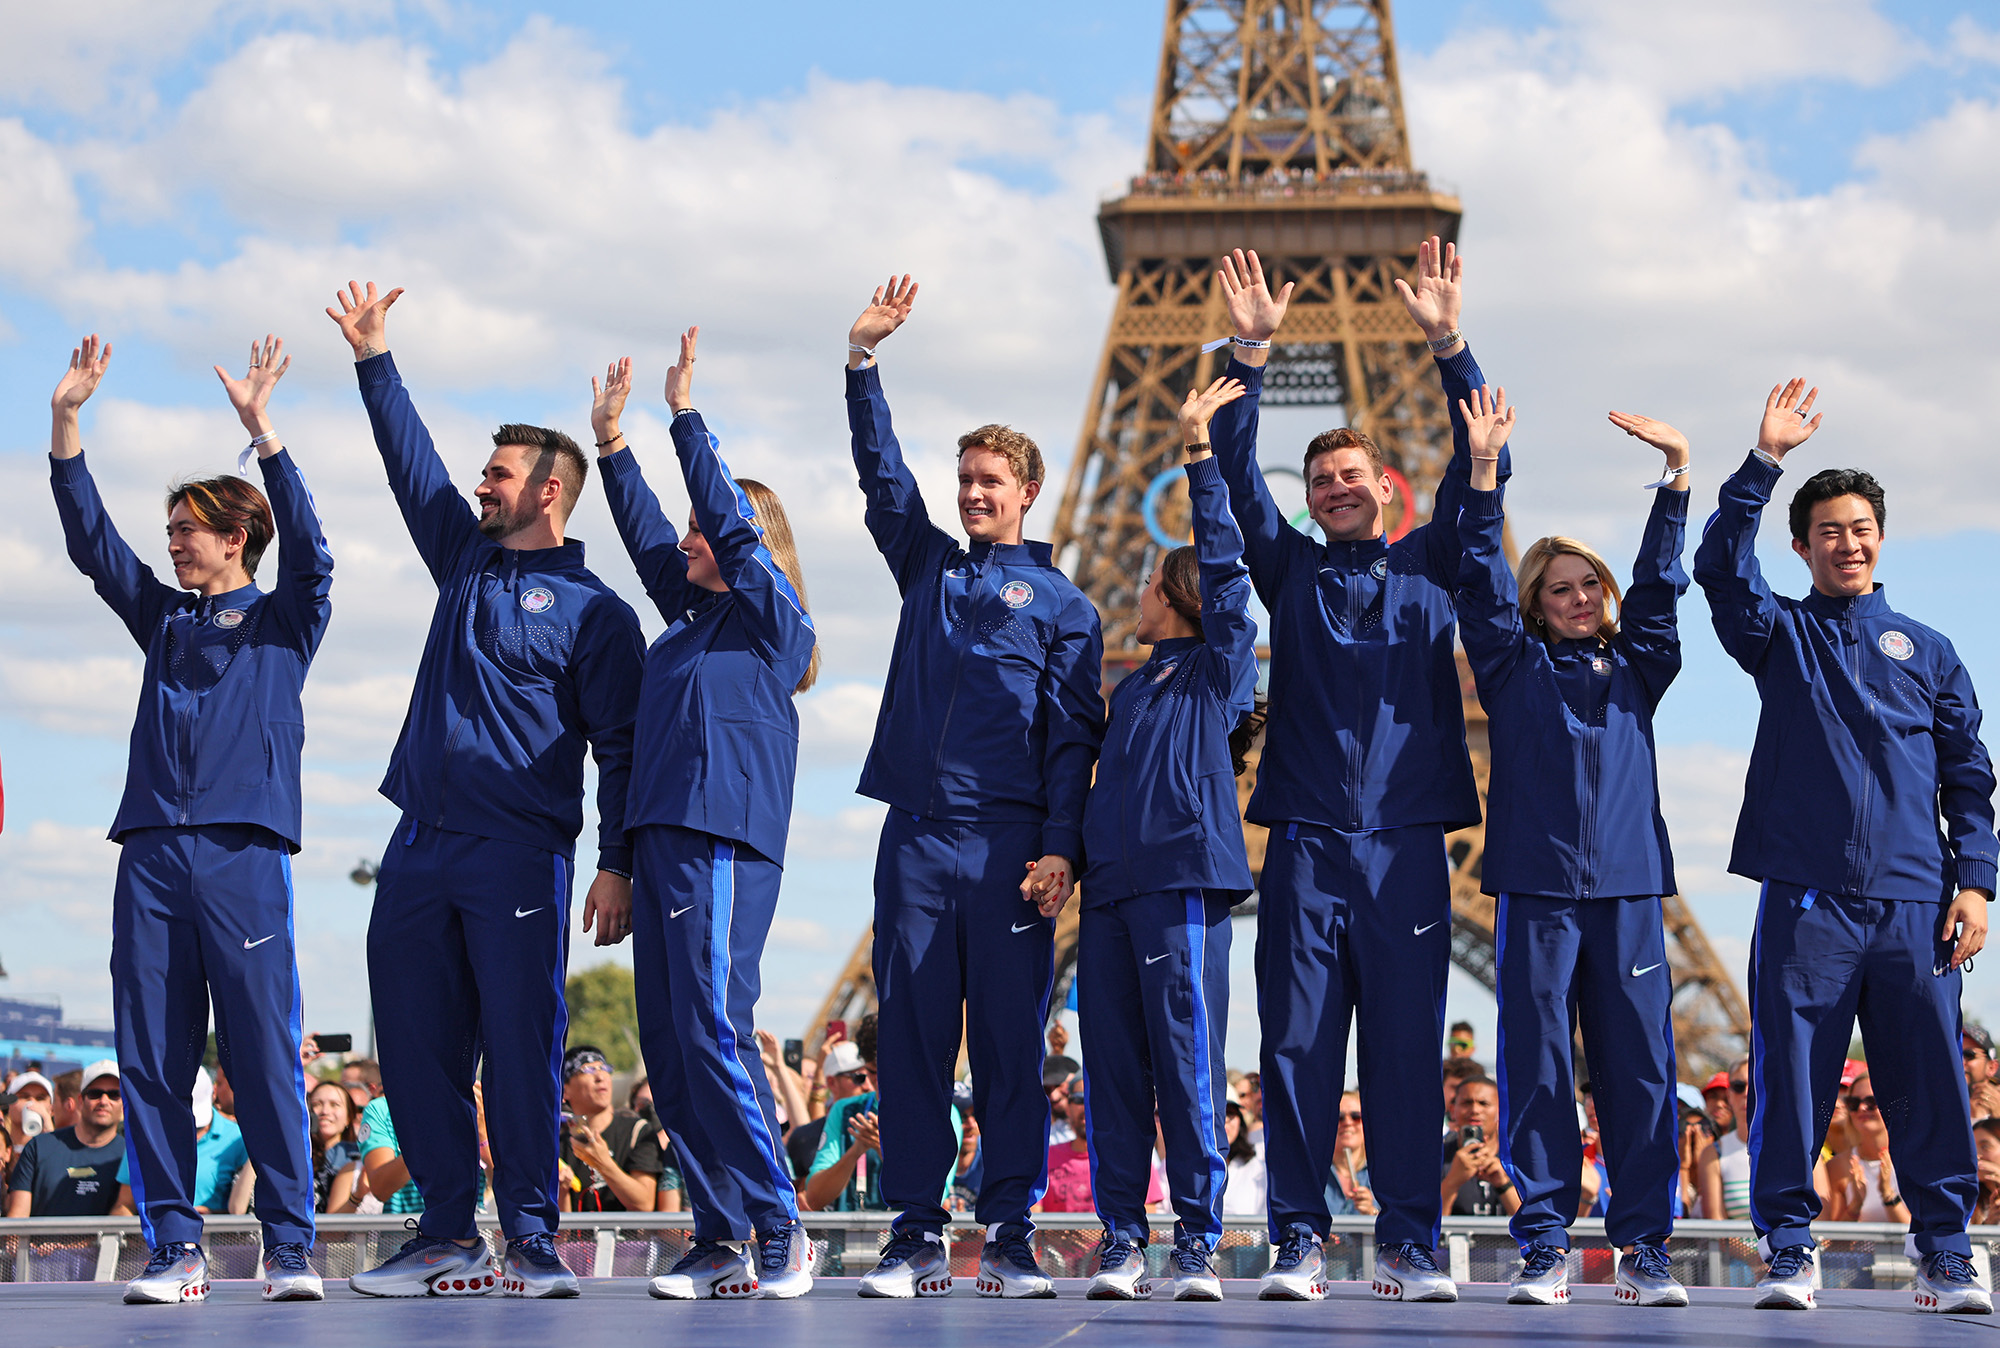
pixel 613 1312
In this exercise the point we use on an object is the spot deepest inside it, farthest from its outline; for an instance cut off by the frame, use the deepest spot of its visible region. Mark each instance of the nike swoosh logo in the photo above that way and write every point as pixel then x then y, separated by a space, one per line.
pixel 1155 959
pixel 1421 930
pixel 249 944
pixel 1637 972
pixel 523 912
pixel 678 911
pixel 1024 926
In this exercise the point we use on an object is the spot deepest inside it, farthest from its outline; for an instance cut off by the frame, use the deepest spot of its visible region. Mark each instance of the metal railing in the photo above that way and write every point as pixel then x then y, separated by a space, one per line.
pixel 845 1244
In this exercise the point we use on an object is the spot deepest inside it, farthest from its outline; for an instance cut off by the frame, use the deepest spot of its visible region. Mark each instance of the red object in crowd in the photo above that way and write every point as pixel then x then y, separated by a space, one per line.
pixel 1718 1082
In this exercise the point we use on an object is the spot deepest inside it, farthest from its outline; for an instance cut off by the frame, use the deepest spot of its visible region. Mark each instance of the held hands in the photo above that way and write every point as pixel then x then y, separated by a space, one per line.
pixel 1965 927
pixel 607 402
pixel 250 394
pixel 1488 423
pixel 1785 427
pixel 364 318
pixel 1201 406
pixel 1254 310
pixel 1434 300
pixel 680 379
pixel 87 364
pixel 609 903
pixel 885 313
pixel 1048 884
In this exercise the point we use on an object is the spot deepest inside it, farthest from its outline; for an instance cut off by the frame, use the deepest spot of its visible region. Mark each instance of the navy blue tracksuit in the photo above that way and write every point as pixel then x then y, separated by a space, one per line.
pixel 710 805
pixel 1166 864
pixel 1578 858
pixel 208 822
pixel 990 723
pixel 1364 769
pixel 1868 736
pixel 529 657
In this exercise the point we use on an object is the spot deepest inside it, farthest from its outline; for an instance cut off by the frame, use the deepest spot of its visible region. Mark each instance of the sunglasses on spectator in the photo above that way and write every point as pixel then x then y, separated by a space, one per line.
pixel 103 1093
pixel 1350 1115
pixel 1461 1043
pixel 1971 1054
pixel 858 1075
pixel 1739 1087
pixel 1860 1102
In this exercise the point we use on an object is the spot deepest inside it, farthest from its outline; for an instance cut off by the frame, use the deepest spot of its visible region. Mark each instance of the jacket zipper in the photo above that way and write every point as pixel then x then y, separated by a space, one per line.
pixel 1360 745
pixel 1862 806
pixel 957 672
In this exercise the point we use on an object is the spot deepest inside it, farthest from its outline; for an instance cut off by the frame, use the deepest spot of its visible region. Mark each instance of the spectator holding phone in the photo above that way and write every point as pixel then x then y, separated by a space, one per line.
pixel 1976 1050
pixel 1475 1184
pixel 614 1154
pixel 1986 1141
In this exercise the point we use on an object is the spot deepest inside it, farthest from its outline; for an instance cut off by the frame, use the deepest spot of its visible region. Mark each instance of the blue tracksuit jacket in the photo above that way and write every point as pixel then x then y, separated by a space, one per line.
pixel 718 737
pixel 529 656
pixel 1869 730
pixel 1162 814
pixel 992 711
pixel 219 730
pixel 1367 719
pixel 1573 810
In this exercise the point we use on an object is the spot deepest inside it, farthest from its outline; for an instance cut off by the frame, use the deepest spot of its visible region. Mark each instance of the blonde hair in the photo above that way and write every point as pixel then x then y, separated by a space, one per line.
pixel 1535 565
pixel 770 513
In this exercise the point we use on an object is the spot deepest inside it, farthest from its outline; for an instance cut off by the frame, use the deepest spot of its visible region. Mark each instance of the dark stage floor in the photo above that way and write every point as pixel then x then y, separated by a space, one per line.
pixel 53 1315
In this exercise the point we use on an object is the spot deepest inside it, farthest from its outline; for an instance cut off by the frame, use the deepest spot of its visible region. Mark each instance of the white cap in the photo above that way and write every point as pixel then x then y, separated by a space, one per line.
pixel 33 1079
pixel 203 1099
pixel 103 1067
pixel 841 1059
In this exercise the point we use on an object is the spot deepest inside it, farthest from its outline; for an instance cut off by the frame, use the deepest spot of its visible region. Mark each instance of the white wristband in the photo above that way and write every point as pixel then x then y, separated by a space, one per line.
pixel 867 351
pixel 1771 459
pixel 1668 476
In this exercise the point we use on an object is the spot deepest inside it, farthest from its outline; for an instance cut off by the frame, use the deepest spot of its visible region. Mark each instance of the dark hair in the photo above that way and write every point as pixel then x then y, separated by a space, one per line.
pixel 1343 437
pixel 1242 1149
pixel 556 455
pixel 224 505
pixel 864 1037
pixel 69 1086
pixel 1465 1068
pixel 1830 483
pixel 1180 585
pixel 347 1129
pixel 632 1096
pixel 371 1071
pixel 1989 1125
pixel 1458 1025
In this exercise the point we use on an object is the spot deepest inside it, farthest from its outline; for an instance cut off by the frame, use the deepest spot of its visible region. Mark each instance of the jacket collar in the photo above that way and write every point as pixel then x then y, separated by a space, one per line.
pixel 206 604
pixel 1870 605
pixel 1012 554
pixel 1357 555
pixel 1172 648
pixel 565 556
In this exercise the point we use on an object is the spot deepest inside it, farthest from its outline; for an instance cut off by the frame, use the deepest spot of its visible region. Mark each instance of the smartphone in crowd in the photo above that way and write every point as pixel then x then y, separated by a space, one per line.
pixel 795 1053
pixel 334 1043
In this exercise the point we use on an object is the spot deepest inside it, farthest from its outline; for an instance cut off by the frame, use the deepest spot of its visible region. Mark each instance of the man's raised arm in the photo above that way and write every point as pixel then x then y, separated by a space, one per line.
pixel 440 521
pixel 1255 314
pixel 896 515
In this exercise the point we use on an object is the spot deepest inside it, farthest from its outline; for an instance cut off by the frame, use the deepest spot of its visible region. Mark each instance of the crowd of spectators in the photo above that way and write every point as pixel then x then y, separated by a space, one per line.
pixel 1281 181
pixel 62 1146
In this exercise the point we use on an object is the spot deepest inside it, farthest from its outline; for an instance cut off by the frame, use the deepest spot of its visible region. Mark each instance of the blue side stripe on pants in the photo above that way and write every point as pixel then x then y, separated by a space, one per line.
pixel 723 895
pixel 1204 1080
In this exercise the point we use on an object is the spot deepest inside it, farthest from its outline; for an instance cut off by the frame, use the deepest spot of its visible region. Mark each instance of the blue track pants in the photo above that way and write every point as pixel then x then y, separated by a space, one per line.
pixel 1602 962
pixel 467 951
pixel 203 914
pixel 1152 987
pixel 952 931
pixel 1353 928
pixel 1818 963
pixel 701 908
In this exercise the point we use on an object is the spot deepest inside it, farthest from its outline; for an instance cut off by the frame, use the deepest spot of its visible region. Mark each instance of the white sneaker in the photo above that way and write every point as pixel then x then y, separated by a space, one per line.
pixel 1646 1278
pixel 1008 1268
pixel 1787 1281
pixel 289 1276
pixel 1121 1271
pixel 1298 1271
pixel 429 1266
pixel 913 1264
pixel 1407 1271
pixel 1194 1270
pixel 784 1264
pixel 531 1268
pixel 709 1270
pixel 175 1273
pixel 1947 1283
pixel 1543 1278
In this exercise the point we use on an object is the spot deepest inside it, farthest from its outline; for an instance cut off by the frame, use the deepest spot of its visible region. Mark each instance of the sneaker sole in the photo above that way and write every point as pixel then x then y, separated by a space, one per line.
pixel 1395 1291
pixel 477 1286
pixel 1316 1292
pixel 1630 1296
pixel 1197 1294
pixel 193 1292
pixel 1117 1292
pixel 1522 1296
pixel 930 1287
pixel 1784 1302
pixel 1931 1301
pixel 296 1294
pixel 782 1291
pixel 989 1287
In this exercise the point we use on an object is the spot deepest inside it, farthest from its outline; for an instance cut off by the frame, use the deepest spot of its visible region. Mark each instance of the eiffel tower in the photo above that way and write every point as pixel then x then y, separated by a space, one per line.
pixel 1278 125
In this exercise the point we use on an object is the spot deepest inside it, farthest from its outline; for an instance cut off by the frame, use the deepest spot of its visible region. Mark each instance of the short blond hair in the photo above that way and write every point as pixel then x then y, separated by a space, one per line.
pixel 1021 453
pixel 1535 564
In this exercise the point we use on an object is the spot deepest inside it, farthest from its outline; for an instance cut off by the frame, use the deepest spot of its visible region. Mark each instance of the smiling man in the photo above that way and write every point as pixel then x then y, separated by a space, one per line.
pixel 202 912
pixel 530 657
pixel 1867 739
pixel 989 726
pixel 1364 770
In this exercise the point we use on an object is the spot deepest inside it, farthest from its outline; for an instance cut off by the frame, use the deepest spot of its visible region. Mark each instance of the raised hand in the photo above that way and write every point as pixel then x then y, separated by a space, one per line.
pixel 1488 421
pixel 886 312
pixel 1785 427
pixel 1202 405
pixel 1253 309
pixel 680 379
pixel 364 318
pixel 1658 434
pixel 250 394
pixel 1433 301
pixel 87 364
pixel 607 402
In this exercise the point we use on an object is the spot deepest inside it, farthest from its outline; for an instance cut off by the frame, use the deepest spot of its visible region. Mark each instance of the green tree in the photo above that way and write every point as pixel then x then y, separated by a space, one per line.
pixel 601 1012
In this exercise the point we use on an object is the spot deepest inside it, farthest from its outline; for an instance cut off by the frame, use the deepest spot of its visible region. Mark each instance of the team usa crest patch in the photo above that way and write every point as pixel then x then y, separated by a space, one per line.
pixel 229 617
pixel 1896 646
pixel 1381 568
pixel 1599 665
pixel 537 600
pixel 1165 672
pixel 1017 594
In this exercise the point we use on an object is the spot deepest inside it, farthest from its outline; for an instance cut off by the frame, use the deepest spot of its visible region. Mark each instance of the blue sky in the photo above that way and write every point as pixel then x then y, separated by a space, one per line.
pixel 1666 210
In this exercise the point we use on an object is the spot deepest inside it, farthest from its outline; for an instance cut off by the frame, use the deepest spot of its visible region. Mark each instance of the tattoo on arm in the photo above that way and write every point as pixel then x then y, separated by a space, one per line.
pixel 368 350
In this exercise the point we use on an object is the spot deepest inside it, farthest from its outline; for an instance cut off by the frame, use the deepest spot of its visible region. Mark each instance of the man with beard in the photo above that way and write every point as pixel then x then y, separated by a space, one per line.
pixel 529 658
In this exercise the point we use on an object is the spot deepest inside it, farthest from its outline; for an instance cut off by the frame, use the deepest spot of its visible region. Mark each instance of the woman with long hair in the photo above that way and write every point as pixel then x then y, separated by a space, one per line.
pixel 715 753
pixel 335 1151
pixel 1166 863
pixel 1570 671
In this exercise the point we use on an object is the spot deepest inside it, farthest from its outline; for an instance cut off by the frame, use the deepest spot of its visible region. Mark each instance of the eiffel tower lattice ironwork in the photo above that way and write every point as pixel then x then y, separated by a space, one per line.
pixel 1278 125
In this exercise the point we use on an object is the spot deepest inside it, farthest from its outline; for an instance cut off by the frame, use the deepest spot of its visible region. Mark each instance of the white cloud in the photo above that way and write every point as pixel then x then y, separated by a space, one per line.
pixel 1700 47
pixel 91 696
pixel 837 722
pixel 844 835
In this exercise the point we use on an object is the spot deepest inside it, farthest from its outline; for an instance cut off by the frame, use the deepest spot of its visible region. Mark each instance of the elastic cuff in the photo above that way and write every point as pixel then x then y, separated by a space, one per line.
pixel 1205 472
pixel 617 860
pixel 1251 376
pixel 1462 366
pixel 1757 471
pixel 619 465
pixel 376 369
pixel 1976 873
pixel 864 381
pixel 1064 842
pixel 1484 505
